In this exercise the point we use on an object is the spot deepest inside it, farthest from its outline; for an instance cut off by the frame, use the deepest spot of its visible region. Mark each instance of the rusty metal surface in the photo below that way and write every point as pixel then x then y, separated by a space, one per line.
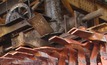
pixel 19 26
pixel 101 28
pixel 40 24
pixel 93 15
pixel 27 58
pixel 88 6
pixel 22 26
pixel 93 36
pixel 26 39
pixel 78 46
pixel 8 4
pixel 75 53
pixel 14 14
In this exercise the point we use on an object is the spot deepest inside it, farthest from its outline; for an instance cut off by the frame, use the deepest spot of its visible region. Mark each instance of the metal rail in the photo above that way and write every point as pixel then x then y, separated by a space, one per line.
pixel 89 6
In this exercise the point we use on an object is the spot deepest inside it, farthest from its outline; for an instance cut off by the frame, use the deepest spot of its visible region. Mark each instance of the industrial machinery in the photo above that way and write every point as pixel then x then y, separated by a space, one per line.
pixel 34 33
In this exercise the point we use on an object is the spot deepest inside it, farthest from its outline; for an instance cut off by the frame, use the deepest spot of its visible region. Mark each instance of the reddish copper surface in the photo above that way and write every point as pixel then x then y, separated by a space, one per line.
pixel 73 52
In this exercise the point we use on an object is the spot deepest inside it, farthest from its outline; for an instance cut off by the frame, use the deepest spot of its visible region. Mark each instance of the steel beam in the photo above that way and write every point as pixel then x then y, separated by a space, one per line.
pixel 89 6
pixel 4 30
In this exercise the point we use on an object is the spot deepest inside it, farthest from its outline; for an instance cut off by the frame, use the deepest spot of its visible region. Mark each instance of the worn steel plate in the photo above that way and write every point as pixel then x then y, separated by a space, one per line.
pixel 40 24
pixel 101 28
